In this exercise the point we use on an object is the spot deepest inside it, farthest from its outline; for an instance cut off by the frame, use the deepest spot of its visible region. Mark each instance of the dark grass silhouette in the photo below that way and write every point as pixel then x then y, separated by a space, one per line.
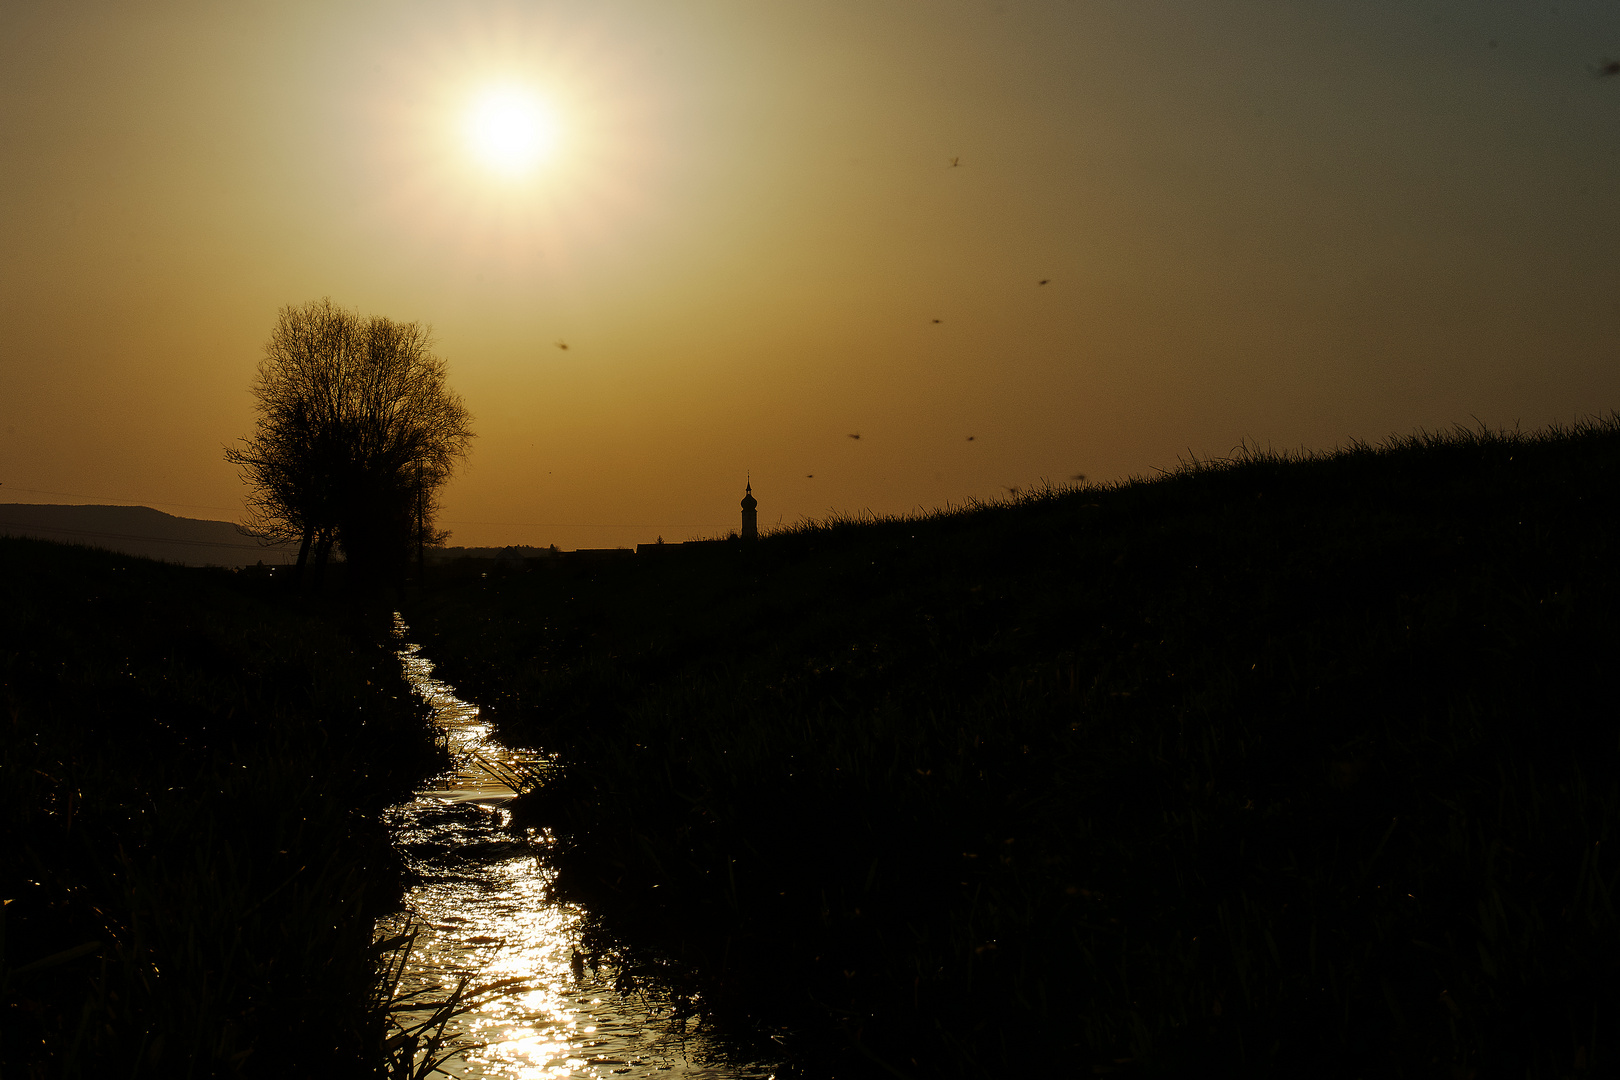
pixel 1285 765
pixel 189 769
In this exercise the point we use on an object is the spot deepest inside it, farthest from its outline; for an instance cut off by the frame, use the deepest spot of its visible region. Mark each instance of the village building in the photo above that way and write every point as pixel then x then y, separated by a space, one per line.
pixel 750 515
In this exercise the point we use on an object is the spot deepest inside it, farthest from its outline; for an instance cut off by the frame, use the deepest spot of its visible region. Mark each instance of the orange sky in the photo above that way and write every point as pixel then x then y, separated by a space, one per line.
pixel 1292 222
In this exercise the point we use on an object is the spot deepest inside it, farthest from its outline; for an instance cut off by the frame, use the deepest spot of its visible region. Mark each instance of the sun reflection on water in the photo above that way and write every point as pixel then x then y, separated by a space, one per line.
pixel 540 1008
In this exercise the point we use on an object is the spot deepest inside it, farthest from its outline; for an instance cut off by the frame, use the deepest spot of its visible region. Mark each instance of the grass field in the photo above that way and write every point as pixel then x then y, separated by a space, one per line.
pixel 190 767
pixel 1292 765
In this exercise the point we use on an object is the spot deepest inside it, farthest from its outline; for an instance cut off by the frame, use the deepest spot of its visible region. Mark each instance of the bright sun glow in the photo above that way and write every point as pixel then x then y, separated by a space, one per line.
pixel 510 130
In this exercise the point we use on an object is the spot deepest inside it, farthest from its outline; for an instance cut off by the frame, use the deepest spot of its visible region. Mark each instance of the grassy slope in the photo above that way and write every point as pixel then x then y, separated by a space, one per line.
pixel 1305 762
pixel 188 770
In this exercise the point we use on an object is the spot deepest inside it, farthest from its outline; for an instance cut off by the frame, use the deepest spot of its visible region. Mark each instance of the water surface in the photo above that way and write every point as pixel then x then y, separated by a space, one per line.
pixel 482 909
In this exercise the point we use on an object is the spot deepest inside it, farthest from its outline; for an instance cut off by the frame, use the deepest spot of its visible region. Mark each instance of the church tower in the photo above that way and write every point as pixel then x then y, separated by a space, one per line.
pixel 750 528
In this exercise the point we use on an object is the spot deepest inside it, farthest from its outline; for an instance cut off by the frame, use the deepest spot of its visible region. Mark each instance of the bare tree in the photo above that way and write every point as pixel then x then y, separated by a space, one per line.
pixel 357 431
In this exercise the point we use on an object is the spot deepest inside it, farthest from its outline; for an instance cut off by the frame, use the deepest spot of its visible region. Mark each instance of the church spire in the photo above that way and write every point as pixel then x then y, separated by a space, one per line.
pixel 750 516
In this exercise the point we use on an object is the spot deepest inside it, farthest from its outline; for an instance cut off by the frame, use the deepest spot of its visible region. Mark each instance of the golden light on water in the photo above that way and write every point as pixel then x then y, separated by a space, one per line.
pixel 511 130
pixel 482 908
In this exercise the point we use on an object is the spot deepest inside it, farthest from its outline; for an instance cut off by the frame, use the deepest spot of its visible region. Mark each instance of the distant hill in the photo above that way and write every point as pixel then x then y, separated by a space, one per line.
pixel 140 530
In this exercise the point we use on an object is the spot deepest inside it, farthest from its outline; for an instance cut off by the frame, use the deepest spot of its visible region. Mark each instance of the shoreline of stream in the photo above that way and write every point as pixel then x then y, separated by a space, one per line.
pixel 481 908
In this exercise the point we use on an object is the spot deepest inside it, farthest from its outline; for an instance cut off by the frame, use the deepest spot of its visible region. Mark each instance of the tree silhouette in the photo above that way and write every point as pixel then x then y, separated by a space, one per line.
pixel 356 433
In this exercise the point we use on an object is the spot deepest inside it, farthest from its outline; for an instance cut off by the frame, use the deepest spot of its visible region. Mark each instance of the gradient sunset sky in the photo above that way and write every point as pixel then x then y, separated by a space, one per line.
pixel 1291 222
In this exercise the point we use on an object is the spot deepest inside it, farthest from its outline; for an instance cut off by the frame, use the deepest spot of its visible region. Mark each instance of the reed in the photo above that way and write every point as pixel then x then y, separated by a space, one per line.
pixel 1284 763
pixel 189 775
pixel 415 1042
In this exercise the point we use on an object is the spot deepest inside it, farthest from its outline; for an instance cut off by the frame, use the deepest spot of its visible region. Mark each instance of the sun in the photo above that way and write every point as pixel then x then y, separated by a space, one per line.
pixel 510 130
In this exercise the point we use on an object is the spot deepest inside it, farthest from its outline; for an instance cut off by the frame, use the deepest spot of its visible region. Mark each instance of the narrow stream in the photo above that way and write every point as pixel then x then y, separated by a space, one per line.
pixel 482 909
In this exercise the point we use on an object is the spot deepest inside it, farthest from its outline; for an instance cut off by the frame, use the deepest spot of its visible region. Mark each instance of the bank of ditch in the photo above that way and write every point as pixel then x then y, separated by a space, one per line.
pixel 1280 763
pixel 191 765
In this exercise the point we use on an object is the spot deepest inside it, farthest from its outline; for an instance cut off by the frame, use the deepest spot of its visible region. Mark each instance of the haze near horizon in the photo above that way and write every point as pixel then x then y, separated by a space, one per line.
pixel 667 247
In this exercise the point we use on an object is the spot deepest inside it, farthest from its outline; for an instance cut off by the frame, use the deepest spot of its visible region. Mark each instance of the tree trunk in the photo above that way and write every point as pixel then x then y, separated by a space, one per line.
pixel 303 556
pixel 421 529
pixel 322 550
